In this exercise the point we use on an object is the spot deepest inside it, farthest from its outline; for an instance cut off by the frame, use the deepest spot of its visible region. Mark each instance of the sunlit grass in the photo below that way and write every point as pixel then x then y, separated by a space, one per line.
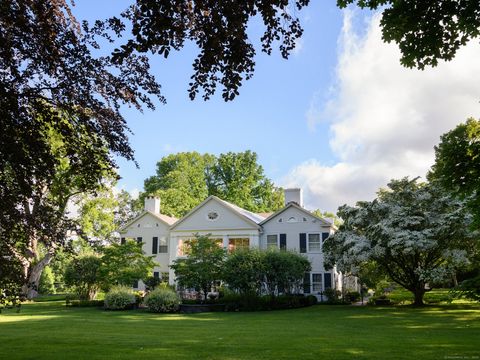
pixel 52 331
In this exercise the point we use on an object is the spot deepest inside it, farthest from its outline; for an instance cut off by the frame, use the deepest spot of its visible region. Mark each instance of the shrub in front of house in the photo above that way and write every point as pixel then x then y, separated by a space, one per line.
pixel 352 296
pixel 119 298
pixel 162 300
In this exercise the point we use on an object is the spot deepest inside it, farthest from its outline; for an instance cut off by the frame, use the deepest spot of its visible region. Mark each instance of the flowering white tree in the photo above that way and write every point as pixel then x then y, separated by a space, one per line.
pixel 415 232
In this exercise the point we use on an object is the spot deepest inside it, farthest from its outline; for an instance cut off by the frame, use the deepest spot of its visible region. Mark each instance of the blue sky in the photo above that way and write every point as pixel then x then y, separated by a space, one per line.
pixel 339 118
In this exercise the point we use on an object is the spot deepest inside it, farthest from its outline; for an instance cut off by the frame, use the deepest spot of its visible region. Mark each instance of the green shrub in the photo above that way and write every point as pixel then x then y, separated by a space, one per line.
pixel 332 295
pixel 469 289
pixel 400 296
pixel 311 300
pixel 352 296
pixel 162 300
pixel 47 282
pixel 119 298
pixel 253 302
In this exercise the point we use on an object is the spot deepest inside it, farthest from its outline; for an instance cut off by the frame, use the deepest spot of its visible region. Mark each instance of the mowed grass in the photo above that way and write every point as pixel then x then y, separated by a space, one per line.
pixel 49 330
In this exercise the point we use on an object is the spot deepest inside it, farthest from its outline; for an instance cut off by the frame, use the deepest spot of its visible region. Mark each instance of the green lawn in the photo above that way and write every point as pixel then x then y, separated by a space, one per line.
pixel 49 330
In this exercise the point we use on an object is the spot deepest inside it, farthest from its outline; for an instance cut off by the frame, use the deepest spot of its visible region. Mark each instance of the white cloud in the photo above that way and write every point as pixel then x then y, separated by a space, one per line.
pixel 299 43
pixel 384 119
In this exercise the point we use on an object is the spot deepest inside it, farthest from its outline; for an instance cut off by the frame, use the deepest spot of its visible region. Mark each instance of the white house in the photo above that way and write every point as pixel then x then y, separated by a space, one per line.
pixel 292 228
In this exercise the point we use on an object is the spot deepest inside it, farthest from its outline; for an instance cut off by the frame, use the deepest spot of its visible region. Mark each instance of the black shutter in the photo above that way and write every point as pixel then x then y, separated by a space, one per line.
pixel 328 280
pixel 156 275
pixel 139 239
pixel 135 284
pixel 325 236
pixel 155 245
pixel 303 243
pixel 122 241
pixel 306 283
pixel 283 241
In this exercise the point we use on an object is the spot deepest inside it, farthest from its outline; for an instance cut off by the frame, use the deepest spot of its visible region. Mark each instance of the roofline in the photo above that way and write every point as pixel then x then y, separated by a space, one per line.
pixel 222 203
pixel 278 212
pixel 139 216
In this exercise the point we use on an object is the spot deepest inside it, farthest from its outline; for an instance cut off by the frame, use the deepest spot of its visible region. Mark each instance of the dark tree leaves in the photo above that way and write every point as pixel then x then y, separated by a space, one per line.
pixel 219 29
pixel 426 31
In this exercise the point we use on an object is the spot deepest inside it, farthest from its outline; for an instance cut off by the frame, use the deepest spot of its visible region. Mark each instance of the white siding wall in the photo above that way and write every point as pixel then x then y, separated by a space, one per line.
pixel 293 223
pixel 148 227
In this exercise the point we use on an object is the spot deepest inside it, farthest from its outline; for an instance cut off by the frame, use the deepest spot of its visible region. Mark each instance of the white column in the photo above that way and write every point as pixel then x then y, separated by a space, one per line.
pixel 225 241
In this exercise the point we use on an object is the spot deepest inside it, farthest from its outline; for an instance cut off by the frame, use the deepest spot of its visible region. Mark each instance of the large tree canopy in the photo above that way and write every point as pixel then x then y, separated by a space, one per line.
pixel 428 30
pixel 457 164
pixel 416 233
pixel 55 78
pixel 184 180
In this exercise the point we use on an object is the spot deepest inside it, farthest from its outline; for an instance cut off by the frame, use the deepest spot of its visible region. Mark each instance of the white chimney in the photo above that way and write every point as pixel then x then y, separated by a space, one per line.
pixel 152 204
pixel 294 195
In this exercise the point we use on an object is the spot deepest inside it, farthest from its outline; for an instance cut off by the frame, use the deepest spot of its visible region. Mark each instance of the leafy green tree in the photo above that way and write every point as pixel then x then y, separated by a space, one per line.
pixel 11 278
pixel 203 265
pixel 415 232
pixel 53 83
pixel 457 164
pixel 243 271
pixel 238 178
pixel 284 271
pixel 126 209
pixel 180 182
pixel 82 274
pixel 96 215
pixel 34 242
pixel 327 214
pixel 124 264
pixel 184 180
pixel 426 31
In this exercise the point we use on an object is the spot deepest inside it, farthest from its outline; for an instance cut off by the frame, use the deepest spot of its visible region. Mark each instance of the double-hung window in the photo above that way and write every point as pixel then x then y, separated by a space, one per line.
pixel 314 243
pixel 316 283
pixel 272 241
pixel 163 247
pixel 277 241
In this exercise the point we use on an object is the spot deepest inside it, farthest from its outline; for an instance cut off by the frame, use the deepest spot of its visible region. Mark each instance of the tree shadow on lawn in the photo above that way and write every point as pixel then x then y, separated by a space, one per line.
pixel 52 331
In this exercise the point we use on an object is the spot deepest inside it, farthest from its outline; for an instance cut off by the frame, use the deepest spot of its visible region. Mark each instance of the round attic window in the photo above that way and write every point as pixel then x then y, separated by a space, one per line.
pixel 212 216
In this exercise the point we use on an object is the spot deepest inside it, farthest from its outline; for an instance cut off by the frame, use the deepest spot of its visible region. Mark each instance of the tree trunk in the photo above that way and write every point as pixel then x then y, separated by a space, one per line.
pixel 30 288
pixel 454 279
pixel 418 295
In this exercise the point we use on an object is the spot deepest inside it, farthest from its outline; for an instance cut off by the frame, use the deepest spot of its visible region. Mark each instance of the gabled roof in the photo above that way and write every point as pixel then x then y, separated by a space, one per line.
pixel 167 220
pixel 249 216
pixel 256 218
pixel 305 211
